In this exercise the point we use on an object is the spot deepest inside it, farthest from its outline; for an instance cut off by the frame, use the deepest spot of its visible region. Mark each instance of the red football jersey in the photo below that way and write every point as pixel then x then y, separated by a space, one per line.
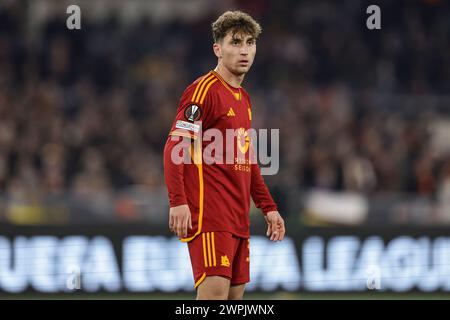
pixel 217 192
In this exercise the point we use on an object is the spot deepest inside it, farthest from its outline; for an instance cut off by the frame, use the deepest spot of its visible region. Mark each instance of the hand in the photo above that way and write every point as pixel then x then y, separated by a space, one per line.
pixel 275 226
pixel 180 220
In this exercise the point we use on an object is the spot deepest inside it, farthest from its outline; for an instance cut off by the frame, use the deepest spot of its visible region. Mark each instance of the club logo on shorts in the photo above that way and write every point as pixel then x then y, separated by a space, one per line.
pixel 224 261
pixel 192 112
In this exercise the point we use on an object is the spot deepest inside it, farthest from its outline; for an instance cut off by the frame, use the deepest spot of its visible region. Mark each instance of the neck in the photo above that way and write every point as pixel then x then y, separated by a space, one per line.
pixel 229 77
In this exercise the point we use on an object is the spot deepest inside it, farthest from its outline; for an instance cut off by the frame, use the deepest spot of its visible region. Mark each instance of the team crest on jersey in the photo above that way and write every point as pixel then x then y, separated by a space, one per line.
pixel 192 112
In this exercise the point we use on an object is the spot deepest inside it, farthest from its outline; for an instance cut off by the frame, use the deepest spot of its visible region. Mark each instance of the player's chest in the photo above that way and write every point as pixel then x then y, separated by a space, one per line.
pixel 233 113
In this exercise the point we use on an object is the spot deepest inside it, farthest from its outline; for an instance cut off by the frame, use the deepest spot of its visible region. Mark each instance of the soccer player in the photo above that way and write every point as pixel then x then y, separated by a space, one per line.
pixel 210 202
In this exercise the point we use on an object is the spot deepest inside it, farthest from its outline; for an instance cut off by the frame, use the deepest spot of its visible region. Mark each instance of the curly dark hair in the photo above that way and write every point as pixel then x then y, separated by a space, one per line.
pixel 237 22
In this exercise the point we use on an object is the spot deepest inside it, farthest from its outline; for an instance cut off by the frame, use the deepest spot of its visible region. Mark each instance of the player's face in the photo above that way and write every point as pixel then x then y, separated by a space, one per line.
pixel 238 52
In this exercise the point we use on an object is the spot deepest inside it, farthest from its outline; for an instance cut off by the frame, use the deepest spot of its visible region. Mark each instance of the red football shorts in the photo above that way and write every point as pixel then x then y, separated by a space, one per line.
pixel 220 254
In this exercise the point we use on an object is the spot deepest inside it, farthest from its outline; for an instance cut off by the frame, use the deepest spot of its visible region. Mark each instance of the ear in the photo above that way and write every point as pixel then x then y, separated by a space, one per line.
pixel 217 50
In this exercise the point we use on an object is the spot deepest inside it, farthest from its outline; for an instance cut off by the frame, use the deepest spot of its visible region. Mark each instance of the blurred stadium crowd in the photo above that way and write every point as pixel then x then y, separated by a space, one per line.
pixel 84 114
